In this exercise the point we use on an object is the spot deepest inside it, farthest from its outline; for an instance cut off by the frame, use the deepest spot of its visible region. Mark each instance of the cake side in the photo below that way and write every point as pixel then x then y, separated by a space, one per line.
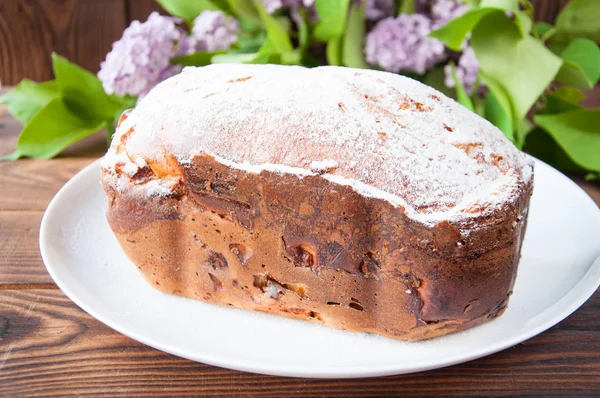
pixel 307 248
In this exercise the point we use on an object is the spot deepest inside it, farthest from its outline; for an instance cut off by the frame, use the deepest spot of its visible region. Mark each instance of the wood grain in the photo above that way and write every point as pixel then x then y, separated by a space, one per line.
pixel 49 347
pixel 138 10
pixel 81 30
pixel 20 262
pixel 30 184
pixel 547 10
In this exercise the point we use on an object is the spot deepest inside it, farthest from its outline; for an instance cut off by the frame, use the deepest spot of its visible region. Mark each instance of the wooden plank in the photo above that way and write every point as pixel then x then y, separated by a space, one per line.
pixel 81 30
pixel 9 130
pixel 49 347
pixel 30 184
pixel 140 9
pixel 547 10
pixel 20 262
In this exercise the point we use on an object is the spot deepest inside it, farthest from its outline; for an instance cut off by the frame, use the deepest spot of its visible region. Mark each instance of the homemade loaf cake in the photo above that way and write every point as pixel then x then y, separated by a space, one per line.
pixel 358 199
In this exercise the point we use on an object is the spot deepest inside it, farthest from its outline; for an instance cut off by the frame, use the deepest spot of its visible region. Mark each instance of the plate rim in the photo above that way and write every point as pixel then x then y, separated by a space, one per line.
pixel 562 308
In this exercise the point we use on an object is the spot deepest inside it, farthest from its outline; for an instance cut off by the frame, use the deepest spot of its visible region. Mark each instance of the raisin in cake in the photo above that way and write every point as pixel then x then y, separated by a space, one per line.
pixel 358 199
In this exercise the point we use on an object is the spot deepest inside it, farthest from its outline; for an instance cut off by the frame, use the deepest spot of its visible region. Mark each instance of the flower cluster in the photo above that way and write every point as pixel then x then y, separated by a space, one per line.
pixel 379 9
pixel 273 5
pixel 467 71
pixel 375 10
pixel 214 31
pixel 142 57
pixel 442 11
pixel 401 45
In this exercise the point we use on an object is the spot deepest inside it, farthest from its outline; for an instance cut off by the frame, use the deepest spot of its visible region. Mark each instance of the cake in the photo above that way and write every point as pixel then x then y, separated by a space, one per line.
pixel 361 200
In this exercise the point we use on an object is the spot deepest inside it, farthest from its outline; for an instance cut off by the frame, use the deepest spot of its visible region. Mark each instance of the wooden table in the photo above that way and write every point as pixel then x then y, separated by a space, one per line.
pixel 50 347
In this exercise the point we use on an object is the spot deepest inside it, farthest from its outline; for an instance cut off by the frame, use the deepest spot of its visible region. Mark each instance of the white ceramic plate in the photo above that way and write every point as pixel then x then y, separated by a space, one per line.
pixel 559 271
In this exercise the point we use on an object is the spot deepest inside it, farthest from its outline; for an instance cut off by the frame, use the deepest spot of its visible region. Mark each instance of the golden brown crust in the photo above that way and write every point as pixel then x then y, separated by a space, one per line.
pixel 311 249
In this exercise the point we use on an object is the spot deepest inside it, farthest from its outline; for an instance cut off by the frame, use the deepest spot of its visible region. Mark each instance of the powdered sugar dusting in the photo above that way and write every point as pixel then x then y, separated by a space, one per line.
pixel 157 188
pixel 320 166
pixel 130 169
pixel 385 135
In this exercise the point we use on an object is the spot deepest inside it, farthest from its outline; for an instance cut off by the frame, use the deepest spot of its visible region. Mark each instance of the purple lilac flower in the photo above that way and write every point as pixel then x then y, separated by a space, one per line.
pixel 466 71
pixel 379 9
pixel 441 11
pixel 273 5
pixel 401 45
pixel 212 31
pixel 140 59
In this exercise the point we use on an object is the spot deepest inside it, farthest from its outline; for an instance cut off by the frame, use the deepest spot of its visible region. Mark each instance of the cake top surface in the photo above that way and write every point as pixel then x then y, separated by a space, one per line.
pixel 386 135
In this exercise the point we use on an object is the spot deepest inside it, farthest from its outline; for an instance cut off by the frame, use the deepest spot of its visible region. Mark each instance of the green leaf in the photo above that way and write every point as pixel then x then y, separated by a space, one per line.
pixel 579 18
pixel 573 74
pixel 200 58
pixel 509 5
pixel 223 5
pixel 479 106
pixel 523 129
pixel 28 98
pixel 303 30
pixel 333 51
pixel 555 46
pixel 499 108
pixel 267 54
pixel 234 58
pixel 541 145
pixel 555 104
pixel 541 28
pixel 187 9
pixel 592 176
pixel 52 129
pixel 332 14
pixel 245 9
pixel 522 66
pixel 582 64
pixel 407 7
pixel 455 32
pixel 544 30
pixel 289 58
pixel 495 112
pixel 250 40
pixel 275 32
pixel 578 134
pixel 354 38
pixel 310 61
pixel 461 94
pixel 11 156
pixel 524 23
pixel 83 92
pixel 570 94
pixel 436 78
